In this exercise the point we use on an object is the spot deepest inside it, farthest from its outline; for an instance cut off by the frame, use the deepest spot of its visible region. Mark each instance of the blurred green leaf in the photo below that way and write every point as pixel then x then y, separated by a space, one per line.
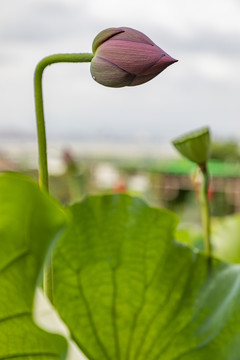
pixel 30 221
pixel 226 238
pixel 191 235
pixel 126 290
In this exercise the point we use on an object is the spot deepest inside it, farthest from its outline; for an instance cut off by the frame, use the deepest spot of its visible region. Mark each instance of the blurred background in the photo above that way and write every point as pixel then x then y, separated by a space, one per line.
pixel 116 140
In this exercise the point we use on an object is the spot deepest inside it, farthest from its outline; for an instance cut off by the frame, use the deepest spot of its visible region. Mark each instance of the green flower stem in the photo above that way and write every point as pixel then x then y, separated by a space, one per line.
pixel 42 144
pixel 42 147
pixel 205 209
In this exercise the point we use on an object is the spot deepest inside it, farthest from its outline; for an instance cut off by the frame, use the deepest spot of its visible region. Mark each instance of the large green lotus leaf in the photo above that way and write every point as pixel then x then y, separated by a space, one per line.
pixel 29 222
pixel 128 291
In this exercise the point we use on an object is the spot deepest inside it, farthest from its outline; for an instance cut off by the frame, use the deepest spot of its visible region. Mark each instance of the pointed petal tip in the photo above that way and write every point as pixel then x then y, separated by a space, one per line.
pixel 170 59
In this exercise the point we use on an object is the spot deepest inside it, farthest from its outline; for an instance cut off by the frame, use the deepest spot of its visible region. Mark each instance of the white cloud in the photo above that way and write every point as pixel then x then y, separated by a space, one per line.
pixel 216 68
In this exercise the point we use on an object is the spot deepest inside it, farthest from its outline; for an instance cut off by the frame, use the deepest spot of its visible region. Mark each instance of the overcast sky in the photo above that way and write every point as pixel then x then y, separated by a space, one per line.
pixel 201 89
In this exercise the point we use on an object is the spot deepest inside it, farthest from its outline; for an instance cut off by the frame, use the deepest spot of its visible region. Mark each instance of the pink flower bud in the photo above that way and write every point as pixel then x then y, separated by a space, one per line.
pixel 126 57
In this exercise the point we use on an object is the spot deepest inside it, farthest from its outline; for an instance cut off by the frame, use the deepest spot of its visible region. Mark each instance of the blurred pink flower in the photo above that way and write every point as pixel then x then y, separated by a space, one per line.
pixel 126 57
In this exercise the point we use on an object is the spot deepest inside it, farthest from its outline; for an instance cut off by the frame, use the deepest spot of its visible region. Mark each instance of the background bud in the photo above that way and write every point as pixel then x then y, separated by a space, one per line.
pixel 126 57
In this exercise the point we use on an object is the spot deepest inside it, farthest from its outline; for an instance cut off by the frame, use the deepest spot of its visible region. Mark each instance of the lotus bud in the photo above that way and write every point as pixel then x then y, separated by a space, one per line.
pixel 126 57
pixel 195 146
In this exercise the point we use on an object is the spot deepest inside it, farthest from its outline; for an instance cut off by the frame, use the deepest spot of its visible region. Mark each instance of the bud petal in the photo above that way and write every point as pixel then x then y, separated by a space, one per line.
pixel 163 62
pixel 129 34
pixel 133 57
pixel 141 79
pixel 195 146
pixel 109 74
pixel 103 36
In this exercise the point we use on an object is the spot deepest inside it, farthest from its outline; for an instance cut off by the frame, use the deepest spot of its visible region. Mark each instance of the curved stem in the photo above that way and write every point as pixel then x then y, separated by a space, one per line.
pixel 42 144
pixel 205 208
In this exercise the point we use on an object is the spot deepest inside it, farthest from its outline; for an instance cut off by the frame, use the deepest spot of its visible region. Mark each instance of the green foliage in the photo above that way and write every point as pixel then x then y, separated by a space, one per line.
pixel 127 290
pixel 226 238
pixel 30 222
pixel 123 286
pixel 190 235
pixel 228 151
